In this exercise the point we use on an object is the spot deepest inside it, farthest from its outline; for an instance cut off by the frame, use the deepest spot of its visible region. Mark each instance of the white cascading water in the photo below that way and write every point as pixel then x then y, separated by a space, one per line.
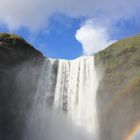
pixel 76 91
pixel 67 87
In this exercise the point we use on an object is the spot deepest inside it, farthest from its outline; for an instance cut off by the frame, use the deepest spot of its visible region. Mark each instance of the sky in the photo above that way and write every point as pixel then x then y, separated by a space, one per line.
pixel 69 29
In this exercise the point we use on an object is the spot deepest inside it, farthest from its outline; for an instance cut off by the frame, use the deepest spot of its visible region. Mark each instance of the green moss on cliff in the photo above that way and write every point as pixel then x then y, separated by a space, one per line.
pixel 119 90
pixel 125 49
pixel 11 36
pixel 14 50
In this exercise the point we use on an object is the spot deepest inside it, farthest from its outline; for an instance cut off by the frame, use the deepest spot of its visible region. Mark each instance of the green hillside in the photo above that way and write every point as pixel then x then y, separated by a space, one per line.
pixel 119 89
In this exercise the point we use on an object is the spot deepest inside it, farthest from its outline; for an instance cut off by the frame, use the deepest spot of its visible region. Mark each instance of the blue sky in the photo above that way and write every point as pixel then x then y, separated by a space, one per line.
pixel 67 30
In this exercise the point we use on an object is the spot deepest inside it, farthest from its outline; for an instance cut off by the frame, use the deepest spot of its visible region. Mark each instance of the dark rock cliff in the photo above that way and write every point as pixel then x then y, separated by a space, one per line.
pixel 118 95
pixel 20 64
pixel 14 50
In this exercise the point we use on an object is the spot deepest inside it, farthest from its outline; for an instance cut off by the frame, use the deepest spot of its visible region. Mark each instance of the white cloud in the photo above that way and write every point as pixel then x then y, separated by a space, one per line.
pixel 93 38
pixel 34 13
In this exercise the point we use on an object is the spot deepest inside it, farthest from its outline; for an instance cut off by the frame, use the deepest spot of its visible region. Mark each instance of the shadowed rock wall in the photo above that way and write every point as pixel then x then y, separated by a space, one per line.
pixel 20 64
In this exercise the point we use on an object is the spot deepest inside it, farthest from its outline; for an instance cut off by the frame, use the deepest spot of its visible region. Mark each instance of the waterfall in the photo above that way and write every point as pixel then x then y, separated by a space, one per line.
pixel 66 93
pixel 75 91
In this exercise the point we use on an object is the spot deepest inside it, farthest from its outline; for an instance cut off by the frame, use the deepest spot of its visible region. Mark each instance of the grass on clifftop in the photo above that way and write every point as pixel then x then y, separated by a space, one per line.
pixel 11 36
pixel 124 49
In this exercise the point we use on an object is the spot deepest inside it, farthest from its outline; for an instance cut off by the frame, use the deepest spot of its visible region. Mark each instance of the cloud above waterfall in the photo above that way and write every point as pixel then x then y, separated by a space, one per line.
pixel 35 13
pixel 44 22
pixel 93 37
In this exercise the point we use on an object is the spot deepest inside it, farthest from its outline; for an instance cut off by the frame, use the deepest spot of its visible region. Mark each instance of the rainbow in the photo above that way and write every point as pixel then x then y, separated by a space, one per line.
pixel 130 86
pixel 134 134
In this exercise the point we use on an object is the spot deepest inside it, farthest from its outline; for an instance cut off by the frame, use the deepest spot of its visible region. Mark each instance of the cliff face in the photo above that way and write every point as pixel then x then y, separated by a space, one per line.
pixel 14 50
pixel 20 64
pixel 118 95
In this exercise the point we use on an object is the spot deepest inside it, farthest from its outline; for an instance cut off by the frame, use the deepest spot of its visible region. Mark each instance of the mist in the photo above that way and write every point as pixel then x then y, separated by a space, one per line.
pixel 49 117
pixel 50 125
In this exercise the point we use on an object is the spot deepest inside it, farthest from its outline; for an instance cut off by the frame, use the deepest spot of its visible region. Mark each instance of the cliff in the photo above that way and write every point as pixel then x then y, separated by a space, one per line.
pixel 20 64
pixel 14 50
pixel 118 94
